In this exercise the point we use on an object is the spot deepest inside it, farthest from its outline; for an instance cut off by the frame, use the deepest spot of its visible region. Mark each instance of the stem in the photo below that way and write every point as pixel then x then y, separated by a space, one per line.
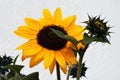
pixel 79 67
pixel 58 71
pixel 68 73
pixel 81 54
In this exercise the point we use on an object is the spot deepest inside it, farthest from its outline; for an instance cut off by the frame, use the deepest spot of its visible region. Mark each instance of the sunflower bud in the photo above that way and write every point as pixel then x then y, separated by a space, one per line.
pixel 74 69
pixel 98 29
pixel 4 61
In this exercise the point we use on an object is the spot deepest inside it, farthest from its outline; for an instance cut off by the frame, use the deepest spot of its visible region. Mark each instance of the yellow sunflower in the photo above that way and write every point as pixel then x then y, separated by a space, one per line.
pixel 45 45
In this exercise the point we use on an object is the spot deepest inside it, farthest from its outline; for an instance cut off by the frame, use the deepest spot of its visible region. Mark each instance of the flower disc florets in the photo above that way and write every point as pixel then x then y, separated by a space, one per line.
pixel 48 39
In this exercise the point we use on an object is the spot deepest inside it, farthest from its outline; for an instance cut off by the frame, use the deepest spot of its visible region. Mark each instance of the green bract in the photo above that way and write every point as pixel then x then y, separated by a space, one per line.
pixel 98 29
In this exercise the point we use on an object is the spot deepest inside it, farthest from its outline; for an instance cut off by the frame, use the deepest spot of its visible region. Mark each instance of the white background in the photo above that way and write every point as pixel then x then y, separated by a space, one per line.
pixel 102 59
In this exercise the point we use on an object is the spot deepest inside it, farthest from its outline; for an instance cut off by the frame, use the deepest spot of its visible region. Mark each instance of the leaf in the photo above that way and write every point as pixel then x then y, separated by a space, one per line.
pixel 58 33
pixel 66 37
pixel 16 68
pixel 71 39
pixel 87 39
pixel 32 76
pixel 11 74
pixel 15 60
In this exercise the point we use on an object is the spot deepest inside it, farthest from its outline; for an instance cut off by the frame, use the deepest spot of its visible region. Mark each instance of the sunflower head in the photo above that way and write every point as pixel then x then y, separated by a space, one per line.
pixel 98 28
pixel 44 45
pixel 73 71
pixel 51 38
pixel 4 61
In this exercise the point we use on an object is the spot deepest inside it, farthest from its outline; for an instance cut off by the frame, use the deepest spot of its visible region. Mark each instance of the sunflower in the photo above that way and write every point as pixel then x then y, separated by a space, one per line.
pixel 98 28
pixel 44 45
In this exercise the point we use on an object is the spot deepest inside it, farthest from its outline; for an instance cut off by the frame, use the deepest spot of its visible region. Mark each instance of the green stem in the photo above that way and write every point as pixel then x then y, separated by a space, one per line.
pixel 79 67
pixel 58 71
pixel 68 73
pixel 81 54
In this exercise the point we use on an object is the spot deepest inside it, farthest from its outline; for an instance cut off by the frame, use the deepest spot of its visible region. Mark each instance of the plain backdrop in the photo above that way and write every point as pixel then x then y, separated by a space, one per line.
pixel 102 59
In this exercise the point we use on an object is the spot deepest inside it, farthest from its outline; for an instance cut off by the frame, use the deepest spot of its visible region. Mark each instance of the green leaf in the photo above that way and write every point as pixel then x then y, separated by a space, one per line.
pixel 66 37
pixel 87 39
pixel 58 33
pixel 11 74
pixel 71 39
pixel 12 78
pixel 15 60
pixel 32 76
pixel 16 68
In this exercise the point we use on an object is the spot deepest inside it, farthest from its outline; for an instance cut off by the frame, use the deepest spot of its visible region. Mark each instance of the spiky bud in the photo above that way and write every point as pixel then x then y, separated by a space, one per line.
pixel 4 61
pixel 73 71
pixel 98 29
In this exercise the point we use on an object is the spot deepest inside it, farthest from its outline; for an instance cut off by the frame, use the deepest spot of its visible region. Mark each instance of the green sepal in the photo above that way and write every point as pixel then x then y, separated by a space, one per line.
pixel 32 76
pixel 15 60
pixel 16 68
pixel 87 39
pixel 103 40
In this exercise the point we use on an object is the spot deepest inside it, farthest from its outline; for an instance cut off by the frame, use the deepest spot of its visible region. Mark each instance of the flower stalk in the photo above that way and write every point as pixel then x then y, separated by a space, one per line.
pixel 68 73
pixel 81 54
pixel 58 71
pixel 79 68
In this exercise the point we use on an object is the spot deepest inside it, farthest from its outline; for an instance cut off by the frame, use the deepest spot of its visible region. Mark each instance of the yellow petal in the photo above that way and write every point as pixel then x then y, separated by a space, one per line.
pixel 33 62
pixel 45 22
pixel 27 45
pixel 64 69
pixel 67 60
pixel 31 52
pixel 33 23
pixel 80 45
pixel 76 31
pixel 51 68
pixel 28 29
pixel 24 57
pixel 58 16
pixel 36 59
pixel 60 59
pixel 69 55
pixel 25 34
pixel 68 21
pixel 47 14
pixel 70 45
pixel 48 58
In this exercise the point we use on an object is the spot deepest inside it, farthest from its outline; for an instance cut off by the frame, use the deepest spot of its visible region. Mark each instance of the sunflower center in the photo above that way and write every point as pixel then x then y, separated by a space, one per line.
pixel 48 39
